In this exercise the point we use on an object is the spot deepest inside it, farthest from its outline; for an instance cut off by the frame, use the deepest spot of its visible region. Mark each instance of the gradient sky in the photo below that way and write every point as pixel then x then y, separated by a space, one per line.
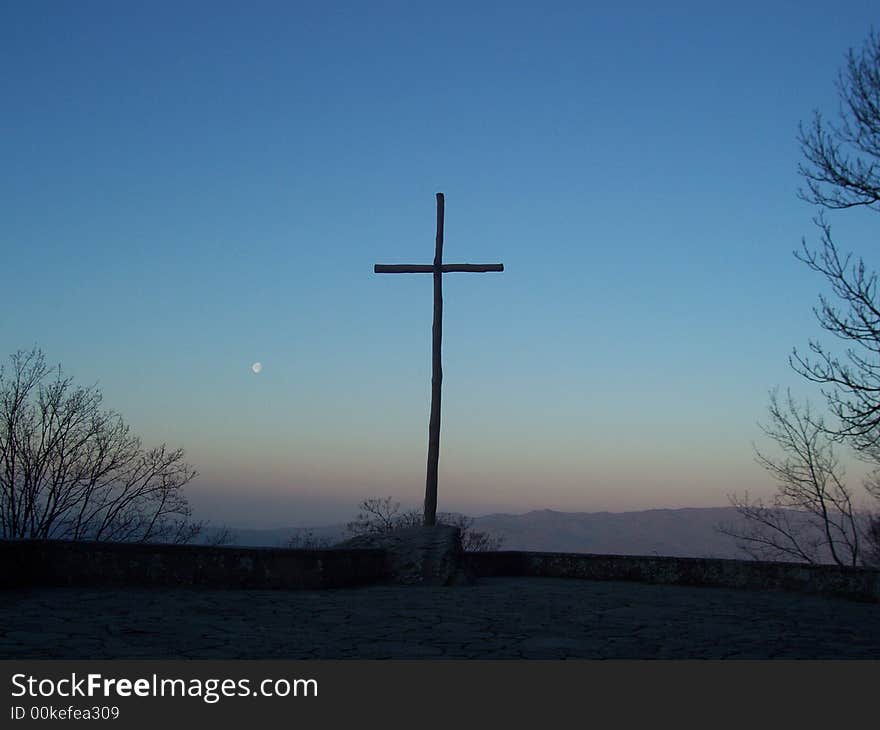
pixel 188 188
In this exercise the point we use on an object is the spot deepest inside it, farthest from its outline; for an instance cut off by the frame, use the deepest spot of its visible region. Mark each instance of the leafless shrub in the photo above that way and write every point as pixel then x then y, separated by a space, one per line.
pixel 308 540
pixel 220 536
pixel 384 514
pixel 381 515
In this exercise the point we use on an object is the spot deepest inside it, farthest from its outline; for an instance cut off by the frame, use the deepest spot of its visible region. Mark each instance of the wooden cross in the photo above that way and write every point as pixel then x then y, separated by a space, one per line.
pixel 438 268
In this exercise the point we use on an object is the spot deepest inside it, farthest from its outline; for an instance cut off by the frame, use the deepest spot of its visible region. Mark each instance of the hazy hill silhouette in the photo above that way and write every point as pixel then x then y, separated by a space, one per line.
pixel 675 532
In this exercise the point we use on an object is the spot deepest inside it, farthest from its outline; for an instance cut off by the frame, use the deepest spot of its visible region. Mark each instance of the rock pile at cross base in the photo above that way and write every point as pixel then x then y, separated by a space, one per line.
pixel 418 555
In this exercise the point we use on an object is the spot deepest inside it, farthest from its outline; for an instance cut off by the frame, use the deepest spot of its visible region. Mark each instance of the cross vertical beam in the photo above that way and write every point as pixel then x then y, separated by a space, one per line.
pixel 438 268
pixel 436 373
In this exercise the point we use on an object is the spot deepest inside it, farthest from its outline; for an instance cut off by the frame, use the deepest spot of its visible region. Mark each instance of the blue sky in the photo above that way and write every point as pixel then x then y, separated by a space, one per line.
pixel 192 187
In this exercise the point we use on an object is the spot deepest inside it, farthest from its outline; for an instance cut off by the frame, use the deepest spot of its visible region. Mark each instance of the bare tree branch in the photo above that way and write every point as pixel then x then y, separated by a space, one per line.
pixel 842 168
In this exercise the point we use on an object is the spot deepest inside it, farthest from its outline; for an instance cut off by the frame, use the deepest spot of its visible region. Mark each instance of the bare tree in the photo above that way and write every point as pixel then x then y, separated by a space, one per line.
pixel 871 542
pixel 384 514
pixel 842 170
pixel 872 549
pixel 70 470
pixel 811 517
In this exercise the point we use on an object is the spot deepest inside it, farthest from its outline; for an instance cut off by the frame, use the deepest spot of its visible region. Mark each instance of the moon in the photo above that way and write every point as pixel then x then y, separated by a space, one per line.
pixel 256 367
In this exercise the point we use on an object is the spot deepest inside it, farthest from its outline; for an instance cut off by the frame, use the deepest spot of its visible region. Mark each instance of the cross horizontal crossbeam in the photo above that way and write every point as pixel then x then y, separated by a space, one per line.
pixel 429 269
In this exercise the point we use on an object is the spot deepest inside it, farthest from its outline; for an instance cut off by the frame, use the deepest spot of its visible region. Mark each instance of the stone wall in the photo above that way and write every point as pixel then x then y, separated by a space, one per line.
pixel 60 563
pixel 856 583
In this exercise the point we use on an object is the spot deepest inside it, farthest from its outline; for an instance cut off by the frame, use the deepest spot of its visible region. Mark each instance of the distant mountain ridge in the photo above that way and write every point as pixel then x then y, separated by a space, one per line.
pixel 687 532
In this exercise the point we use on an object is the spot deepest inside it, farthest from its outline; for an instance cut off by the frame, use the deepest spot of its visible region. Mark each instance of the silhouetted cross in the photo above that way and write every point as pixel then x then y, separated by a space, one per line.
pixel 438 268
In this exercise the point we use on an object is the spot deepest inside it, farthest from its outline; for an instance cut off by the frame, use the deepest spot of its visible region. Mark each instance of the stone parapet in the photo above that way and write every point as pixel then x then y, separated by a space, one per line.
pixel 855 583
pixel 67 563
pixel 430 558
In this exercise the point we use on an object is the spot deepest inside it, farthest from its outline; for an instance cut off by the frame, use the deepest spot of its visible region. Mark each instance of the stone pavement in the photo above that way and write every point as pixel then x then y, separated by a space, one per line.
pixel 495 618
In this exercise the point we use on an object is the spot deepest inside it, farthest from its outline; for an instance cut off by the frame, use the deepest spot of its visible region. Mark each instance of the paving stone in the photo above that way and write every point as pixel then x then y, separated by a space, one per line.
pixel 493 618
